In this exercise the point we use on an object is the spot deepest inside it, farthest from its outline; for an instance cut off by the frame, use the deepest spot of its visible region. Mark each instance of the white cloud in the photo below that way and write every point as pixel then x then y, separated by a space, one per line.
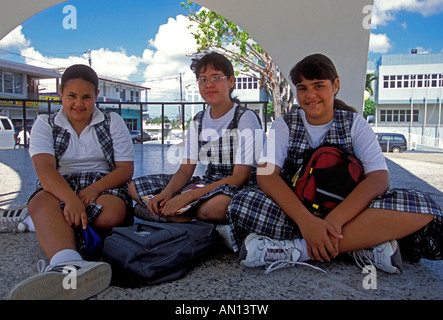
pixel 168 59
pixel 14 40
pixel 163 60
pixel 384 11
pixel 379 43
pixel 117 64
pixel 423 50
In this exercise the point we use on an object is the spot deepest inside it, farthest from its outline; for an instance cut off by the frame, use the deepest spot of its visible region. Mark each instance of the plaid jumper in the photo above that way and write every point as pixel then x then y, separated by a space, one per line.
pixel 251 210
pixel 218 168
pixel 81 180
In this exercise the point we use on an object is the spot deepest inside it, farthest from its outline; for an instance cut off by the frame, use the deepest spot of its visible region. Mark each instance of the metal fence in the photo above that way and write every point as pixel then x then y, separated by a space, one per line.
pixel 49 106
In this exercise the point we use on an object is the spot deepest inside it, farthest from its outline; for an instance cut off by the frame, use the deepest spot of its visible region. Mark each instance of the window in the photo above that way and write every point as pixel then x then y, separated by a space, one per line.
pixel 6 124
pixel 413 77
pixel 392 82
pixel 11 82
pixel 246 84
pixel 406 81
pixel 385 82
pixel 420 81
pixel 8 80
pixel 399 81
pixel 434 80
pixel 398 116
pixel 131 124
pixel 427 82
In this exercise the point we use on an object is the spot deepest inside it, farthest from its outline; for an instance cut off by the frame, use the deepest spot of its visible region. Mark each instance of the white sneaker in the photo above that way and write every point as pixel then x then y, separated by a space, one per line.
pixel 11 219
pixel 225 234
pixel 385 256
pixel 60 283
pixel 259 251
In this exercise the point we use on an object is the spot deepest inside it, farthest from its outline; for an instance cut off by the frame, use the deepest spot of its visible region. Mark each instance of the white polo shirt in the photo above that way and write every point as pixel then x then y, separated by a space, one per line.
pixel 251 136
pixel 84 153
pixel 364 142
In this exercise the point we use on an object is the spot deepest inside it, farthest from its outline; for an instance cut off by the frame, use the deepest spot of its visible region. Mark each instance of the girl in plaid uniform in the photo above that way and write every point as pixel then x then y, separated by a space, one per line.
pixel 213 138
pixel 83 160
pixel 370 217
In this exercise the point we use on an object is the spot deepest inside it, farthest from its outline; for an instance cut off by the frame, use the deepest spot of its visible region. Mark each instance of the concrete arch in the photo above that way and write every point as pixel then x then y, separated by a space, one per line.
pixel 287 29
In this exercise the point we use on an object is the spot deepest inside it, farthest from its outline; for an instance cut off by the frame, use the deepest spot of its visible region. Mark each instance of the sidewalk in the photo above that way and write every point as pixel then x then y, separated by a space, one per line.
pixel 221 277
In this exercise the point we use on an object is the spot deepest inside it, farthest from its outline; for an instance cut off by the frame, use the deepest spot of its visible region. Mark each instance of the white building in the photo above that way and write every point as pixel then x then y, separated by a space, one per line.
pixel 410 84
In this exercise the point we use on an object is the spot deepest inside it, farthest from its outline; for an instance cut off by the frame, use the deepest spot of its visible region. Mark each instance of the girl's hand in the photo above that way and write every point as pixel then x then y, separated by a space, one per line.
pixel 75 213
pixel 318 234
pixel 158 202
pixel 175 204
pixel 88 195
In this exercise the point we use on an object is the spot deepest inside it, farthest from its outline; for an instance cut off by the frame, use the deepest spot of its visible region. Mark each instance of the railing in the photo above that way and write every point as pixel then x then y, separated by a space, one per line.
pixel 22 104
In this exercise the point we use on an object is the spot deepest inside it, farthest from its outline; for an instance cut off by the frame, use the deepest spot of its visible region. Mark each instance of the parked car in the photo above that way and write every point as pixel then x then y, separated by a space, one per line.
pixel 134 135
pixel 396 142
pixel 143 136
pixel 6 133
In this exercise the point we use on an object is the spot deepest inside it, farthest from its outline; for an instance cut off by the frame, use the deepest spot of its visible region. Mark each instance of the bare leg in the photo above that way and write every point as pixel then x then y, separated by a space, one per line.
pixel 52 230
pixel 374 226
pixel 214 209
pixel 113 213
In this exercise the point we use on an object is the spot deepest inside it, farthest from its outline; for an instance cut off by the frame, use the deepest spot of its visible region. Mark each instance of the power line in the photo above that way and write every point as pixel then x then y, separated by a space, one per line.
pixel 20 55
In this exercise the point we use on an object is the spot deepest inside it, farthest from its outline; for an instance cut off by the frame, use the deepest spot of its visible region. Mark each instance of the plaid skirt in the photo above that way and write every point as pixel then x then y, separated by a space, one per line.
pixel 155 183
pixel 80 180
pixel 251 210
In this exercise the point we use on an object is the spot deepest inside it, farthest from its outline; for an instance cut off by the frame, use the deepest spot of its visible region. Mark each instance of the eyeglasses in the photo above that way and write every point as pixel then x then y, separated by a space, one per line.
pixel 203 80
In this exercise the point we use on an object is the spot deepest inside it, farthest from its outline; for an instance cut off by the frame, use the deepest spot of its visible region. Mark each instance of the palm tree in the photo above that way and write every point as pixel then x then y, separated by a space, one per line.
pixel 370 77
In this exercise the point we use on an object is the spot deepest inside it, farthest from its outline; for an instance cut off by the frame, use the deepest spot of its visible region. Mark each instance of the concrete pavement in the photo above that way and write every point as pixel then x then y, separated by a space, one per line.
pixel 221 277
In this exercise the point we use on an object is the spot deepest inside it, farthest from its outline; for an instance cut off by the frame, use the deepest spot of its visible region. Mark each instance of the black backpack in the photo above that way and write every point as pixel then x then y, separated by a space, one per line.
pixel 154 252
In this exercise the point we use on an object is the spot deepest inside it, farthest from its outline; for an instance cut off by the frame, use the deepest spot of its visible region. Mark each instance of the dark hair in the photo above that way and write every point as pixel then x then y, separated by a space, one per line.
pixel 320 67
pixel 80 71
pixel 218 62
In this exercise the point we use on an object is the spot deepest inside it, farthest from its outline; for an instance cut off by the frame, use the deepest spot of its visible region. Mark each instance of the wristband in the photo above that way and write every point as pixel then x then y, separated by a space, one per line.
pixel 94 189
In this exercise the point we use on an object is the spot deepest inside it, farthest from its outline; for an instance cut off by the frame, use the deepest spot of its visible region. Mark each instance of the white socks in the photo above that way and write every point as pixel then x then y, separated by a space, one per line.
pixel 300 244
pixel 63 256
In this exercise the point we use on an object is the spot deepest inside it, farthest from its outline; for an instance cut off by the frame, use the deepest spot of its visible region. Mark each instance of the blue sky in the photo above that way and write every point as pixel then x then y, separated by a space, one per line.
pixel 147 41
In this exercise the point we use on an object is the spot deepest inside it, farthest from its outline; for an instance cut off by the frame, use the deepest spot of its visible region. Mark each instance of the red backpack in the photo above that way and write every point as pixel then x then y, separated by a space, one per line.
pixel 326 177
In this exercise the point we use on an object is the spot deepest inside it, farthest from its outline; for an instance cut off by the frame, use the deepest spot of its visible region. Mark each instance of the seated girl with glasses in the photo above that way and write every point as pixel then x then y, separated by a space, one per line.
pixel 221 136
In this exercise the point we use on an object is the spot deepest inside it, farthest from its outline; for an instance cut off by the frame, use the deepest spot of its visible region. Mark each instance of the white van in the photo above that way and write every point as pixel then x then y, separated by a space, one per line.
pixel 6 133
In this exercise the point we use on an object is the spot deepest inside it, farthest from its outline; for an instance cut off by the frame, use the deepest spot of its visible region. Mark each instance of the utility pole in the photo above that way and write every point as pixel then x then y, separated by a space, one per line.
pixel 89 57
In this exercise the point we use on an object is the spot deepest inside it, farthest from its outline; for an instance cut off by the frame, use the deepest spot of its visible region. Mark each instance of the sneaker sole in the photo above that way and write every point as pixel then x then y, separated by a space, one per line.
pixel 91 280
pixel 396 260
pixel 243 251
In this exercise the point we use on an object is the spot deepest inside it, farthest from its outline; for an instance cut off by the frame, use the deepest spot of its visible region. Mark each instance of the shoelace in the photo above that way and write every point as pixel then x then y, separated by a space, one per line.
pixel 363 257
pixel 41 266
pixel 11 218
pixel 9 225
pixel 283 259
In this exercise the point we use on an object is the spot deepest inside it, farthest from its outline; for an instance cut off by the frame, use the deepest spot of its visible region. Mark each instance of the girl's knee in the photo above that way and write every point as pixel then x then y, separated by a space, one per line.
pixel 113 213
pixel 214 209
pixel 41 203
